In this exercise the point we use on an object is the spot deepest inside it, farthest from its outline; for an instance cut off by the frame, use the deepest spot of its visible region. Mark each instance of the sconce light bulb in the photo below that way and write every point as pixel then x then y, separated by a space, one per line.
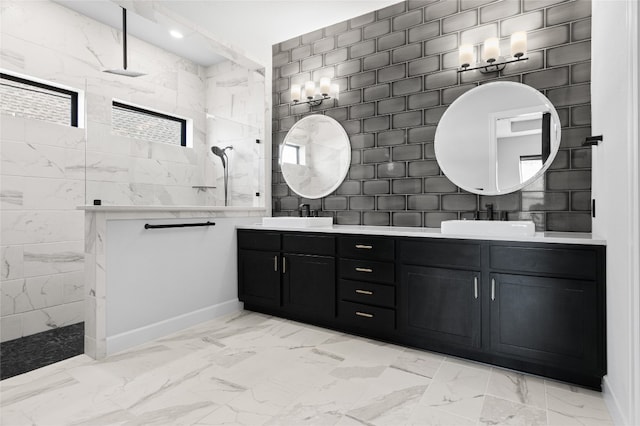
pixel 491 49
pixel 325 86
pixel 334 91
pixel 465 55
pixel 518 44
pixel 309 89
pixel 296 92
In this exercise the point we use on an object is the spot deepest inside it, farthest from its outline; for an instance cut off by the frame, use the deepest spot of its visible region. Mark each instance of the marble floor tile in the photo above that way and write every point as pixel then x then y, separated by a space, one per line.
pixel 517 387
pixel 567 407
pixel 422 363
pixel 458 388
pixel 496 411
pixel 390 399
pixel 424 415
pixel 253 369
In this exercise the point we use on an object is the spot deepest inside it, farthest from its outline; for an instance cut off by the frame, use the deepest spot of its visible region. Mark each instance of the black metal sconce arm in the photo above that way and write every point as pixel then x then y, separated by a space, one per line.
pixel 592 140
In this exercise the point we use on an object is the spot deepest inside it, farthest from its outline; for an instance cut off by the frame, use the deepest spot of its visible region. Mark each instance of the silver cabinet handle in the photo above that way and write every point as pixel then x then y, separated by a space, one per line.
pixel 364 314
pixel 363 246
pixel 367 292
pixel 275 263
pixel 493 289
pixel 284 265
pixel 364 270
pixel 475 287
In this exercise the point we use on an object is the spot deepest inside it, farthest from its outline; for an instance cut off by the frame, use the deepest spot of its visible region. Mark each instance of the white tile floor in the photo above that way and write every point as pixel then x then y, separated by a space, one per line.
pixel 251 369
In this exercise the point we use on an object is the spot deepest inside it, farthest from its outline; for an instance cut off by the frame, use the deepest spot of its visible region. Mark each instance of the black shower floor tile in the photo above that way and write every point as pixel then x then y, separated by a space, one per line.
pixel 38 350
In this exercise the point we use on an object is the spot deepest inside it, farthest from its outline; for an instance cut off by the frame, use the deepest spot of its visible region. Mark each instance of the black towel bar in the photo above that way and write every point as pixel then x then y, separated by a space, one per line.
pixel 178 225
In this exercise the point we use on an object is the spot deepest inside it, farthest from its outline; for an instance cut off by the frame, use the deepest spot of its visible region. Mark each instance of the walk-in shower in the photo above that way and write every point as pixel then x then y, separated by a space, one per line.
pixel 220 152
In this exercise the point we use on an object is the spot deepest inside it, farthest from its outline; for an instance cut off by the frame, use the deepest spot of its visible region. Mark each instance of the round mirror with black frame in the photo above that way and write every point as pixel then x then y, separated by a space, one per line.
pixel 315 156
pixel 497 138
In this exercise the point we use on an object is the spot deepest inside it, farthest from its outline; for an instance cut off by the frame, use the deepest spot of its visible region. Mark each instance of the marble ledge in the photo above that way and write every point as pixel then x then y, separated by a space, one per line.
pixel 171 212
pixel 93 208
pixel 398 231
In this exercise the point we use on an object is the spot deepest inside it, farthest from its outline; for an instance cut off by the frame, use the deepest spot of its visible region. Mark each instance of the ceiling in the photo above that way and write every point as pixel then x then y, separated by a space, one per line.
pixel 250 26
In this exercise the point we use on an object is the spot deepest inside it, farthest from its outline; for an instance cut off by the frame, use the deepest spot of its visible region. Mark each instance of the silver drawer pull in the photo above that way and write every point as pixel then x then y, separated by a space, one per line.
pixel 275 263
pixel 363 246
pixel 475 287
pixel 364 314
pixel 364 270
pixel 493 289
pixel 367 292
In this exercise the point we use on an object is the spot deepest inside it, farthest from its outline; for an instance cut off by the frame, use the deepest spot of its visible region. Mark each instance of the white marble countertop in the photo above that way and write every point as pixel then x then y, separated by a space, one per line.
pixel 170 208
pixel 539 237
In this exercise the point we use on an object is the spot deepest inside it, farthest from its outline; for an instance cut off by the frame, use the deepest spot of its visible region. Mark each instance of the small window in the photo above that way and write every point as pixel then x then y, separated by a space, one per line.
pixel 140 123
pixel 293 154
pixel 31 99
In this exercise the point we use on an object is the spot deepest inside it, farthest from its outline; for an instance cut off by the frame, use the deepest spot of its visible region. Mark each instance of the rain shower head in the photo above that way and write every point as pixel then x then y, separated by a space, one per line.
pixel 124 71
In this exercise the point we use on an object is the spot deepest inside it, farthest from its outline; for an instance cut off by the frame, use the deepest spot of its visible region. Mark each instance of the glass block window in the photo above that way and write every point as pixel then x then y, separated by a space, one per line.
pixel 31 99
pixel 139 123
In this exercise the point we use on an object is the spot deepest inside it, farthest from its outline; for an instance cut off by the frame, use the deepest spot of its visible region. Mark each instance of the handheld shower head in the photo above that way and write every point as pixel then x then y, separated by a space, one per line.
pixel 220 153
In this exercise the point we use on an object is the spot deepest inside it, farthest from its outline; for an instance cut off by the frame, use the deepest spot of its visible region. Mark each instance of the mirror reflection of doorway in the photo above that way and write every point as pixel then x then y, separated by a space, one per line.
pixel 529 166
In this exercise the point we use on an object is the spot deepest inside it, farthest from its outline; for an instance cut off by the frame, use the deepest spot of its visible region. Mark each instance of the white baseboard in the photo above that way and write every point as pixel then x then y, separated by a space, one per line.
pixel 610 399
pixel 141 335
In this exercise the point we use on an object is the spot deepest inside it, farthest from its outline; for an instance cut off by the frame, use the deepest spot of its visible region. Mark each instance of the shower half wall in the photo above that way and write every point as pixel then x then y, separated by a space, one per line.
pixel 49 170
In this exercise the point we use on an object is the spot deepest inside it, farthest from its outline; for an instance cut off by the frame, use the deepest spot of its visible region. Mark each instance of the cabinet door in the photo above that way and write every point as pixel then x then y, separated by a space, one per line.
pixel 550 320
pixel 309 285
pixel 441 305
pixel 259 278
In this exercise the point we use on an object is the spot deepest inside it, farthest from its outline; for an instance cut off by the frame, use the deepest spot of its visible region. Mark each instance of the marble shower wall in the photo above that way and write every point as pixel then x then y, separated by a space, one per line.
pixel 42 249
pixel 397 73
pixel 235 99
pixel 48 170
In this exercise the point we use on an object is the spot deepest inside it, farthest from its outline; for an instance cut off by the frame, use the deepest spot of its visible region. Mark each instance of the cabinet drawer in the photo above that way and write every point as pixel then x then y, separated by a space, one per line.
pixel 368 293
pixel 320 245
pixel 367 317
pixel 257 240
pixel 367 270
pixel 440 253
pixel 366 248
pixel 561 262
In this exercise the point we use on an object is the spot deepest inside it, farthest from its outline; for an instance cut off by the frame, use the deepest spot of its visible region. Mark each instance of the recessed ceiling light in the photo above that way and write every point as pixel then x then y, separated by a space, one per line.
pixel 176 34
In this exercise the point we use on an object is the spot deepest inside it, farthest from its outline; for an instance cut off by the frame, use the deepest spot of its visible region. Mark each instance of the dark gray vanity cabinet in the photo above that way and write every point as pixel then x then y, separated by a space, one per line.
pixel 547 308
pixel 534 307
pixel 439 292
pixel 366 284
pixel 259 270
pixel 309 276
pixel 288 274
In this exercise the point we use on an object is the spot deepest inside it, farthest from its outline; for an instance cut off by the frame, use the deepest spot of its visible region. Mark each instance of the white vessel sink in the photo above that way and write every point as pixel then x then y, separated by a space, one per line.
pixel 489 228
pixel 298 222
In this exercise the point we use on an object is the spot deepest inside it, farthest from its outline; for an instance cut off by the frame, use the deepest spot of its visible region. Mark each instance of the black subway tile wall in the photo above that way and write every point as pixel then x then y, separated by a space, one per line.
pixel 397 73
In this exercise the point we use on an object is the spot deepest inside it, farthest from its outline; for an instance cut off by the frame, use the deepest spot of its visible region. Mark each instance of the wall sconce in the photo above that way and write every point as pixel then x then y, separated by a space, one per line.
pixel 313 94
pixel 491 59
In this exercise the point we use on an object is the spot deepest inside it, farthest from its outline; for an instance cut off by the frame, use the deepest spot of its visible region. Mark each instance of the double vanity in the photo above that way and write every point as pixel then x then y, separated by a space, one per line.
pixel 495 292
pixel 534 304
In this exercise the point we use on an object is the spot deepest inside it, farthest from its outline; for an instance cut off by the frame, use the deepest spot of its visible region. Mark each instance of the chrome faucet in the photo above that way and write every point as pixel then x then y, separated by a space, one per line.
pixel 306 208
